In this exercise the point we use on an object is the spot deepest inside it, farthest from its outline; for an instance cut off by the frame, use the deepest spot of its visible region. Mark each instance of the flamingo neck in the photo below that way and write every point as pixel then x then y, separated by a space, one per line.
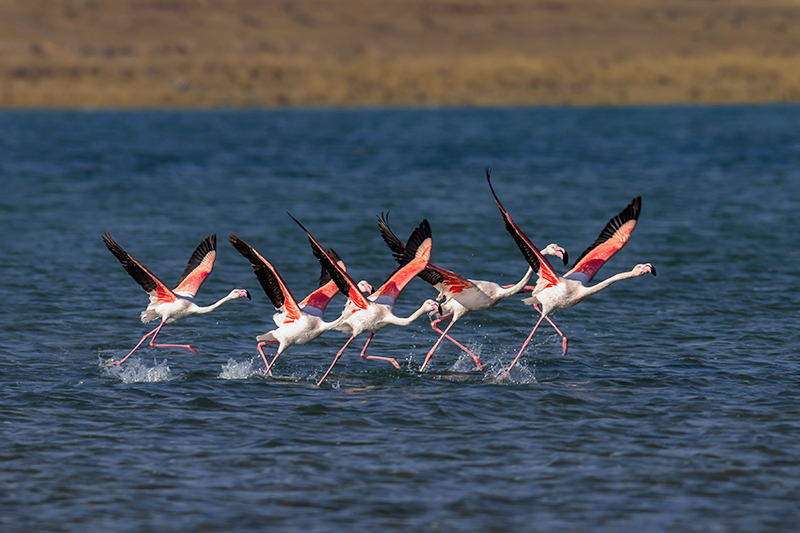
pixel 398 321
pixel 209 308
pixel 505 292
pixel 327 326
pixel 594 289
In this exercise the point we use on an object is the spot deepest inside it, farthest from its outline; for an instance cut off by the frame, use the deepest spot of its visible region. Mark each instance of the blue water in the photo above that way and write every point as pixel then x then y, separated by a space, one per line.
pixel 677 407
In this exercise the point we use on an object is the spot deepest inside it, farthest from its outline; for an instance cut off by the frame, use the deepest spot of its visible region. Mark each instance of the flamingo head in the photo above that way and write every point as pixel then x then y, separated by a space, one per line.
pixel 435 308
pixel 558 251
pixel 365 287
pixel 240 293
pixel 646 268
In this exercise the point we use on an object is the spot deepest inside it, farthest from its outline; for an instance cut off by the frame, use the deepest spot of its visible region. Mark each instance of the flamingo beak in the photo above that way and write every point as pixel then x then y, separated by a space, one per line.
pixel 652 270
pixel 246 293
pixel 564 256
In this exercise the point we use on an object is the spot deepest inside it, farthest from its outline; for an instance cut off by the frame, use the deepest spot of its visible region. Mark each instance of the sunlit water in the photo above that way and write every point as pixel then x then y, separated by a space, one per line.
pixel 677 407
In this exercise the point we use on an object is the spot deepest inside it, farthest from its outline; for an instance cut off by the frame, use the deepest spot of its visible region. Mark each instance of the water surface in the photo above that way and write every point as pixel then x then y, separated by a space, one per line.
pixel 676 407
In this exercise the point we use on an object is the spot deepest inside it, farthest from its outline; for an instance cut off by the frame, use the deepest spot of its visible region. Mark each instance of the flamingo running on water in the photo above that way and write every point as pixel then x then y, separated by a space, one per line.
pixel 172 304
pixel 560 292
pixel 461 295
pixel 372 314
pixel 298 323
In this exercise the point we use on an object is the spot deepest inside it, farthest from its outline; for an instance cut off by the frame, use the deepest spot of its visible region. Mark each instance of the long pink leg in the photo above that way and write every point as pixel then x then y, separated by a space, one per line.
pixel 438 341
pixel 391 360
pixel 135 347
pixel 525 344
pixel 264 357
pixel 338 355
pixel 154 345
pixel 563 337
pixel 451 339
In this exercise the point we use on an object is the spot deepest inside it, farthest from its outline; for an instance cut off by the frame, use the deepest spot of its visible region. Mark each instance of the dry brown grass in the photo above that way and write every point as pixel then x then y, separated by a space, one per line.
pixel 203 53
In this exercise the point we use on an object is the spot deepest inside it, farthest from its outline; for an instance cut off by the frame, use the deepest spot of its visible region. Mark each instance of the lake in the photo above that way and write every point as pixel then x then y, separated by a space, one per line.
pixel 676 408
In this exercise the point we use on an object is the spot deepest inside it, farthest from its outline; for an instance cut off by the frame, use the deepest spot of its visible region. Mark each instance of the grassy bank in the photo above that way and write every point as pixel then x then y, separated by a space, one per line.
pixel 205 53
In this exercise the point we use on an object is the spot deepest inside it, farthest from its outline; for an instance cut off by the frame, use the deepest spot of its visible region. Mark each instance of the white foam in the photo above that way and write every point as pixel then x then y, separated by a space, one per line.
pixel 241 370
pixel 135 371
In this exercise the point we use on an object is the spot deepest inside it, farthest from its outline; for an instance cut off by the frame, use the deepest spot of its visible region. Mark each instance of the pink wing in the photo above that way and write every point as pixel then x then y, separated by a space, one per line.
pixel 199 267
pixel 150 283
pixel 611 240
pixel 452 282
pixel 416 256
pixel 540 265
pixel 447 281
pixel 272 283
pixel 321 297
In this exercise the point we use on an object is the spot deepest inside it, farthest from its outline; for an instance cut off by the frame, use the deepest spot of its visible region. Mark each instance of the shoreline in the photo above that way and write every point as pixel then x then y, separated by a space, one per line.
pixel 388 107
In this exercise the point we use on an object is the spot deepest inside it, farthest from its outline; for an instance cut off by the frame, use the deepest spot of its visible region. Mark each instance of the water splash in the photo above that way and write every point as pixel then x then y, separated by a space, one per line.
pixel 241 369
pixel 520 374
pixel 465 363
pixel 135 371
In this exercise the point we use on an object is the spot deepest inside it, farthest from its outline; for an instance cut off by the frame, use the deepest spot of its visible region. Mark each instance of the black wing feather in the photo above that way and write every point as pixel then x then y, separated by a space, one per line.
pixel 325 276
pixel 395 245
pixel 399 249
pixel 327 264
pixel 269 282
pixel 527 251
pixel 131 267
pixel 420 233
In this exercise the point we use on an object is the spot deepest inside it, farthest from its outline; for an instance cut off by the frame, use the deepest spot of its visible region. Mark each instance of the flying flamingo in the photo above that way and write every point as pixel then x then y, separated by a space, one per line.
pixel 372 314
pixel 298 323
pixel 461 295
pixel 171 305
pixel 556 292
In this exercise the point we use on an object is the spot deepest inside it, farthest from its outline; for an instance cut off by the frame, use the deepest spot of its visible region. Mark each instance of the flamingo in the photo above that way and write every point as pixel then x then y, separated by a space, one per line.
pixel 461 295
pixel 298 323
pixel 171 305
pixel 561 292
pixel 372 314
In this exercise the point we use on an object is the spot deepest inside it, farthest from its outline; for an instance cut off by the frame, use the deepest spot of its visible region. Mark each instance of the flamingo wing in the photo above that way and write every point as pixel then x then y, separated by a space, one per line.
pixel 416 255
pixel 398 249
pixel 199 267
pixel 540 265
pixel 343 281
pixel 156 288
pixel 272 283
pixel 320 298
pixel 451 282
pixel 611 240
pixel 397 246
